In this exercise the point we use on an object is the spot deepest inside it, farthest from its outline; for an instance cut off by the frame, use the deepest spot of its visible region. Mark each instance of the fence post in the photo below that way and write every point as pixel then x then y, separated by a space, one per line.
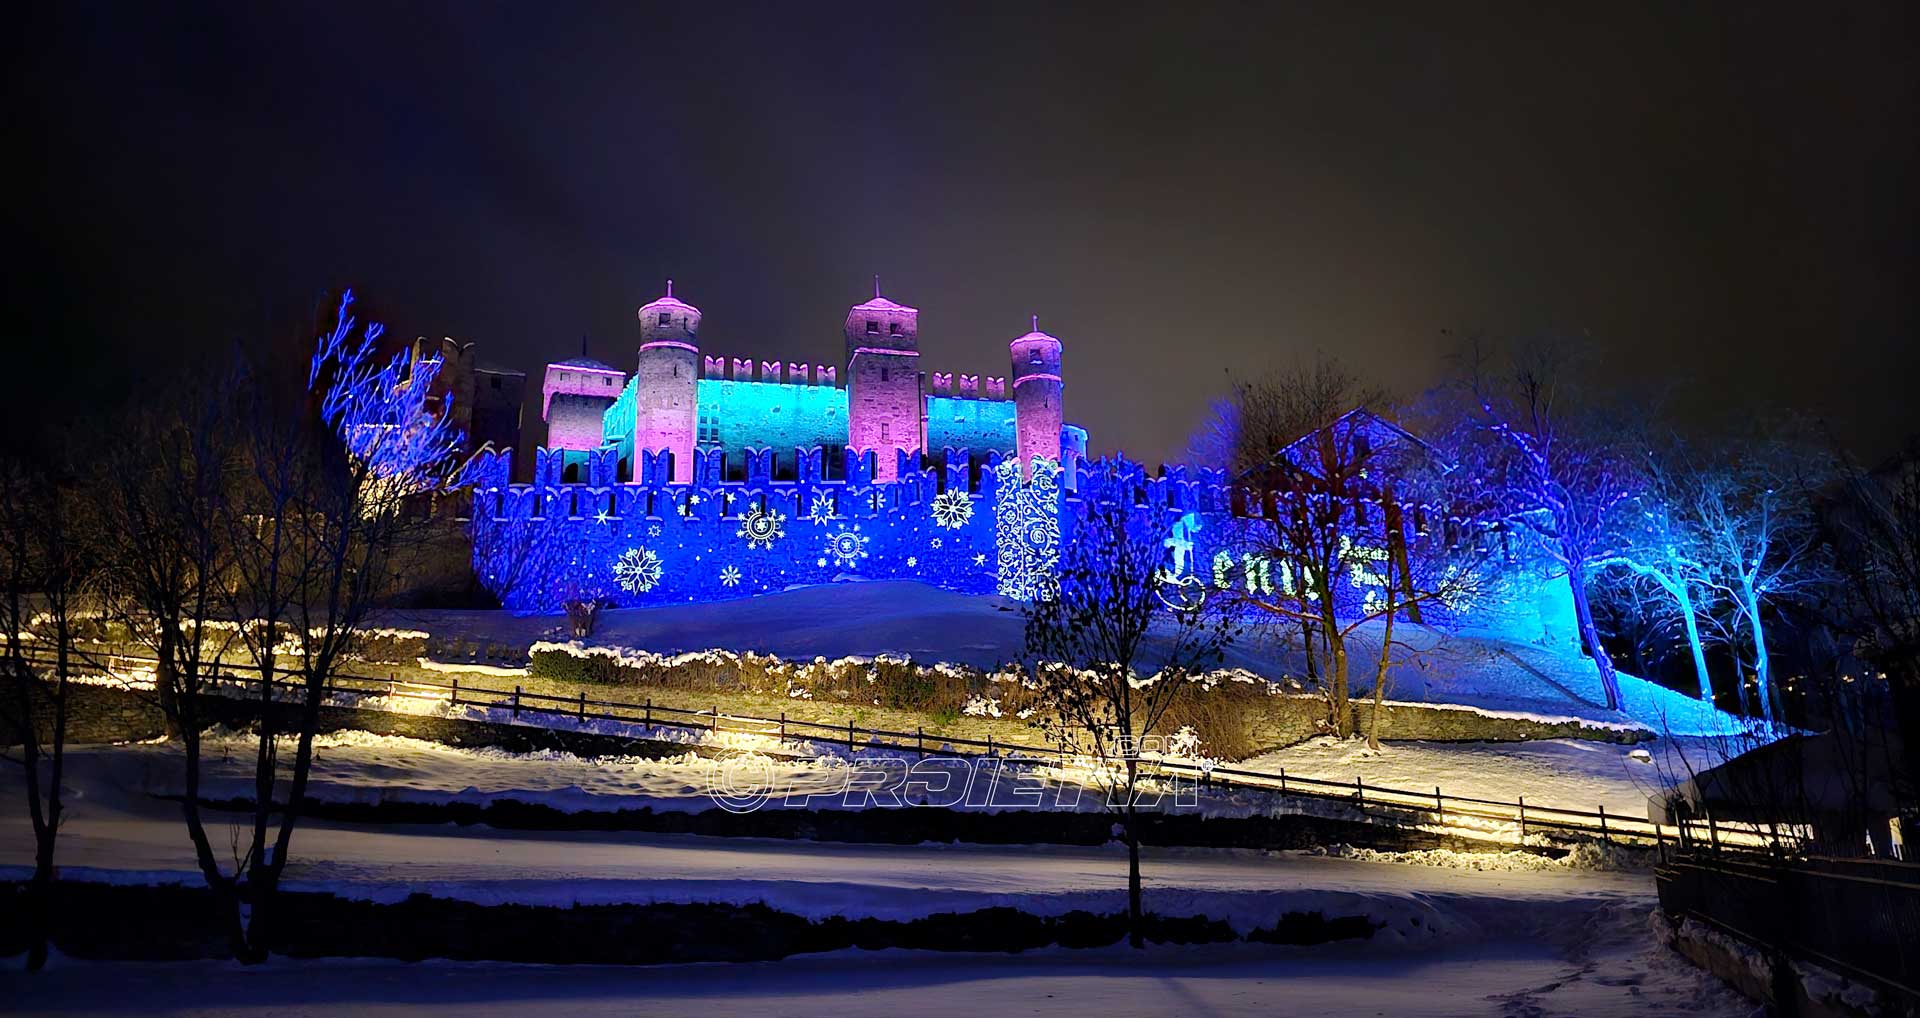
pixel 783 724
pixel 1439 804
pixel 989 743
pixel 649 714
pixel 1359 792
pixel 516 701
pixel 849 735
pixel 1283 779
pixel 1713 832
pixel 583 706
pixel 1603 825
pixel 455 702
pixel 1523 819
pixel 716 719
pixel 919 740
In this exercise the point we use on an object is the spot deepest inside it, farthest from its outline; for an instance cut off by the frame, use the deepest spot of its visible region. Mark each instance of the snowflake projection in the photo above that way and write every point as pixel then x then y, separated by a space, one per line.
pixel 821 510
pixel 653 530
pixel 1026 525
pixel 952 509
pixel 847 547
pixel 912 561
pixel 935 543
pixel 730 576
pixel 980 559
pixel 637 569
pixel 762 527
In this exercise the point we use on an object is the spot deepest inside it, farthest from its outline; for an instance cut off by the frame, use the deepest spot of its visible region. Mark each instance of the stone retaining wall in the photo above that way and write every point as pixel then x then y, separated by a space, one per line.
pixel 94 713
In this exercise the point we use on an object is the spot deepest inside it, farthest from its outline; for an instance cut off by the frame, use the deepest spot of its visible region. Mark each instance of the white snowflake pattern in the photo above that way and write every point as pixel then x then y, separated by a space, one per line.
pixel 821 509
pixel 638 570
pixel 762 527
pixel 847 547
pixel 952 509
pixel 730 576
pixel 912 561
pixel 980 559
pixel 653 530
pixel 935 543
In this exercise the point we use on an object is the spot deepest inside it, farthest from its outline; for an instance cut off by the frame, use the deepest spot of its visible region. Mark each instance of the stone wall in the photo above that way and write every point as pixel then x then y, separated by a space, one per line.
pixel 95 714
pixel 1280 721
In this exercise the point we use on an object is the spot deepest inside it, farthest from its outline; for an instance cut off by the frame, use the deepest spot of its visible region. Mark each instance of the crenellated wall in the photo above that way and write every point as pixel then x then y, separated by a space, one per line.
pixel 655 542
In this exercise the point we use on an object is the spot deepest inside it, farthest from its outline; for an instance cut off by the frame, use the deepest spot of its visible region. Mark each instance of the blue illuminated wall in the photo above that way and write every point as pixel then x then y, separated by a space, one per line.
pixel 538 546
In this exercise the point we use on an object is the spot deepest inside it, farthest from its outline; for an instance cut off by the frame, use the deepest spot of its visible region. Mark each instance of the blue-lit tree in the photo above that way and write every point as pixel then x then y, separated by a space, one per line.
pixel 1758 545
pixel 1559 473
pixel 1662 550
pixel 318 500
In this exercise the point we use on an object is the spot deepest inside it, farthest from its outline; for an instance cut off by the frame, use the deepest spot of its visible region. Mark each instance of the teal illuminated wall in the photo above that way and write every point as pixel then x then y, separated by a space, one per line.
pixel 616 425
pixel 770 415
pixel 977 425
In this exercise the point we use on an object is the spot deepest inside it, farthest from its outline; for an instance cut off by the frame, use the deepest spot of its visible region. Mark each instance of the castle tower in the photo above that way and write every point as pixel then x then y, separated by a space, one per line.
pixel 1036 396
pixel 884 406
pixel 667 382
pixel 574 398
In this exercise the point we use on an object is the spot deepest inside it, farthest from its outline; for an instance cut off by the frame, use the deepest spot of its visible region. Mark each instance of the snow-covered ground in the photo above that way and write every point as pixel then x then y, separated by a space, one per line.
pixel 1601 967
pixel 1479 935
pixel 358 767
pixel 901 617
pixel 1568 773
pixel 116 831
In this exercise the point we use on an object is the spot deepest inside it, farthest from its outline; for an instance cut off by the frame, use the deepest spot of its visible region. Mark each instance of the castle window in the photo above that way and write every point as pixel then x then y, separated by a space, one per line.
pixel 873 327
pixel 883 431
pixel 893 328
pixel 606 382
pixel 883 374
pixel 666 318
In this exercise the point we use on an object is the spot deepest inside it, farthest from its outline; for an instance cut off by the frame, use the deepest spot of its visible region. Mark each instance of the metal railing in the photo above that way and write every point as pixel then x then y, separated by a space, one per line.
pixel 1487 819
pixel 1859 918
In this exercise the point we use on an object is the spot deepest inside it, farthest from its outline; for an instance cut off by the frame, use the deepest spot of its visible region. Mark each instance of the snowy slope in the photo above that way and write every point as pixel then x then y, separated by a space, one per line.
pixel 902 617
pixel 1602 966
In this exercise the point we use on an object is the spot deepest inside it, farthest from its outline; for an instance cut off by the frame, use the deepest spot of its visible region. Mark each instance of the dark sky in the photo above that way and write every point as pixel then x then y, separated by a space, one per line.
pixel 1717 197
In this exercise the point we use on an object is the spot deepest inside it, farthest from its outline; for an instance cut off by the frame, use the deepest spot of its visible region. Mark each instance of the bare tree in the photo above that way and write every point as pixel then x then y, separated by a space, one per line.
pixel 1111 658
pixel 1560 474
pixel 1873 531
pixel 267 527
pixel 1280 435
pixel 1664 549
pixel 319 509
pixel 1758 543
pixel 47 560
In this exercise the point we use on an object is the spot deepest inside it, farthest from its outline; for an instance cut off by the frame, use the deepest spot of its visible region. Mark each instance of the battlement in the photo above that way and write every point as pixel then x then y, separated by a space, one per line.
pixel 996 387
pixel 1170 489
pixel 791 373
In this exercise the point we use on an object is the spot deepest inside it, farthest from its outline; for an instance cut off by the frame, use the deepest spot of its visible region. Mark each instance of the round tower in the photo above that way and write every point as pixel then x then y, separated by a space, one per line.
pixel 884 408
pixel 1036 397
pixel 667 382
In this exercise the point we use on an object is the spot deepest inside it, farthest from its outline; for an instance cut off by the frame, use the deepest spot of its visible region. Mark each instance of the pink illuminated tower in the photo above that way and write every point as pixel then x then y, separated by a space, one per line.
pixel 1036 396
pixel 667 382
pixel 575 398
pixel 884 408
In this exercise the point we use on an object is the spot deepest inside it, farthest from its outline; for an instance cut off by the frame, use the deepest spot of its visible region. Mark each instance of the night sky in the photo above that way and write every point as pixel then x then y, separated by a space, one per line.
pixel 1717 198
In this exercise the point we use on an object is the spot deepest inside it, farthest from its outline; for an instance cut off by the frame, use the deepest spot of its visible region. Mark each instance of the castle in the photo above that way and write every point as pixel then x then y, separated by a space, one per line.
pixel 678 404
pixel 680 485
